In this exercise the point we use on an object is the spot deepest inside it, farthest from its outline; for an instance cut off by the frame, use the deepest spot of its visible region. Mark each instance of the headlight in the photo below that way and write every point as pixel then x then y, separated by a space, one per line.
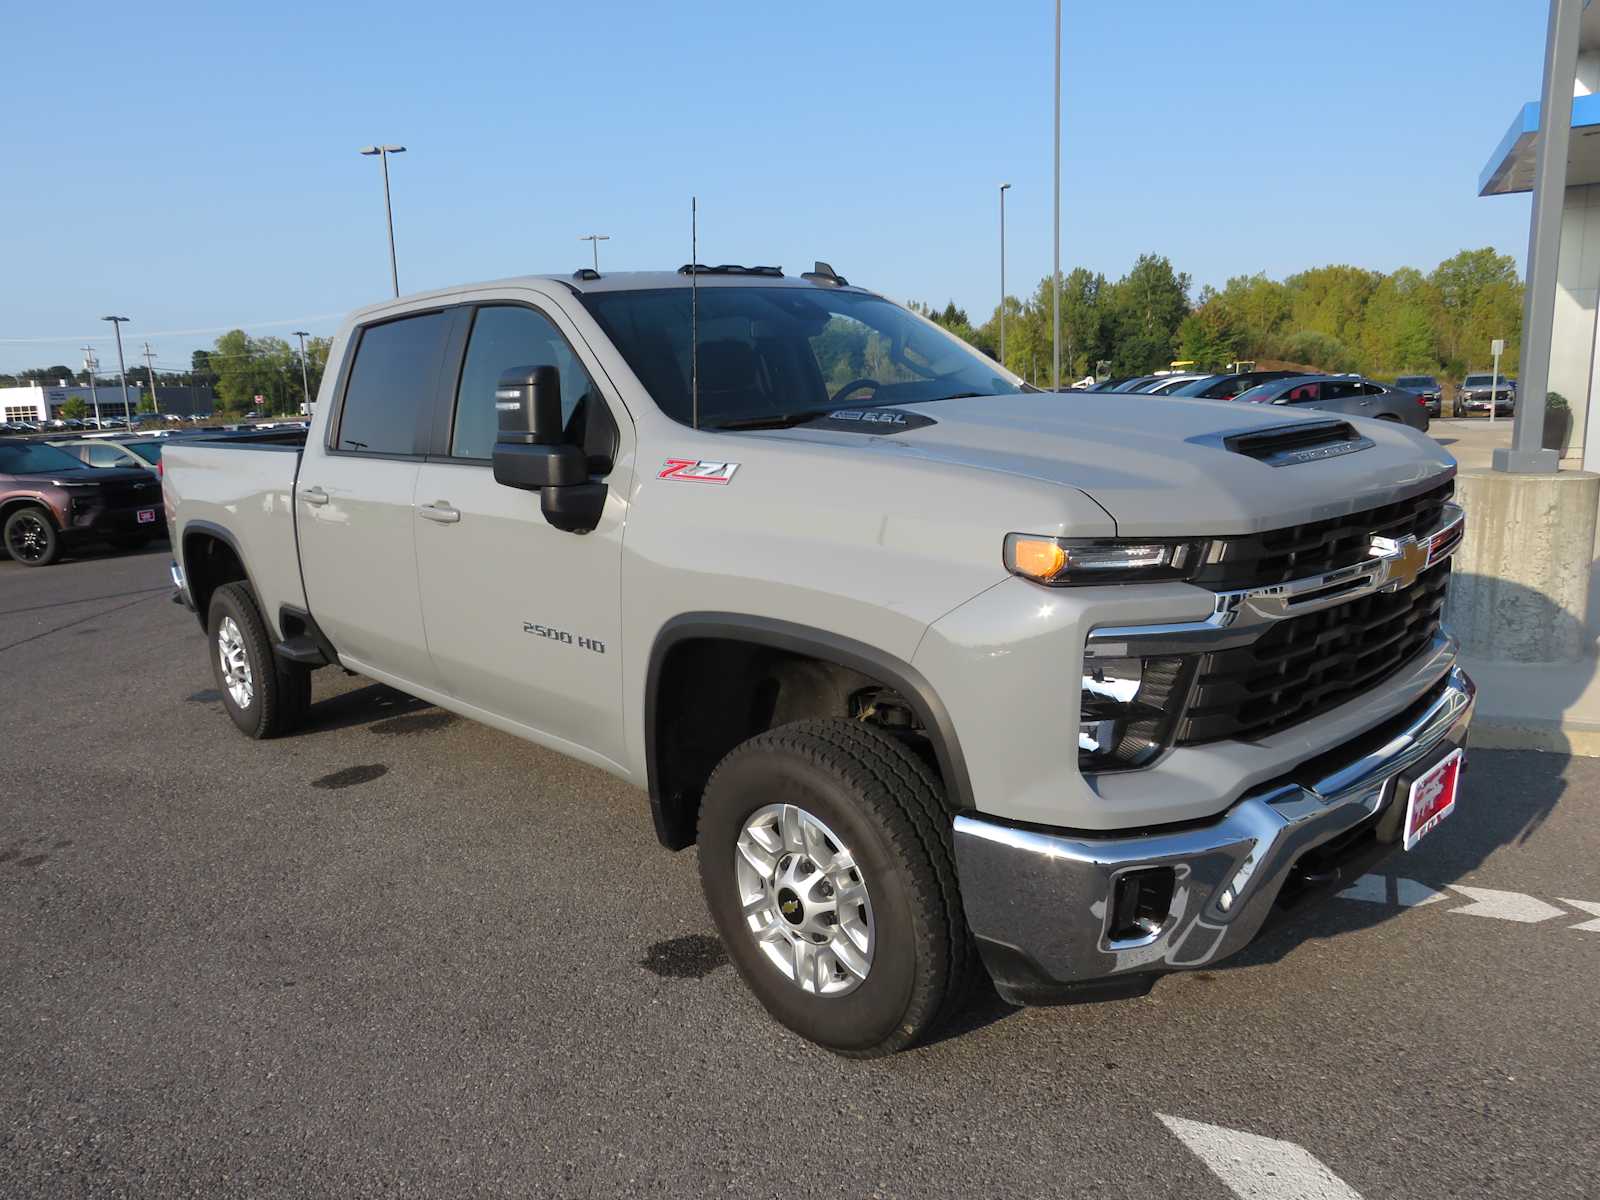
pixel 1077 562
pixel 1126 709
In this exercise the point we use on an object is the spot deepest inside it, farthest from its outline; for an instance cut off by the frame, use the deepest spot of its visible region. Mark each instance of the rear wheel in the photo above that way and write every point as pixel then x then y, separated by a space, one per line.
pixel 31 537
pixel 827 864
pixel 266 696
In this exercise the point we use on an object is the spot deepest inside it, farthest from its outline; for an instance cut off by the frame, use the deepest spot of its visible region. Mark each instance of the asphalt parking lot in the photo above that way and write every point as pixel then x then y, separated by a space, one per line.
pixel 400 953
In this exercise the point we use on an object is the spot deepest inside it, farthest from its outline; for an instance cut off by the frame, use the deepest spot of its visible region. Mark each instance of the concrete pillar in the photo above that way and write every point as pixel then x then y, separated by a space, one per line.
pixel 1520 591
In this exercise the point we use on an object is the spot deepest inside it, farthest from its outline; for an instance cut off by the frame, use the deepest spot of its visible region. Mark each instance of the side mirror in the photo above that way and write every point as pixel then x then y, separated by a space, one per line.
pixel 529 452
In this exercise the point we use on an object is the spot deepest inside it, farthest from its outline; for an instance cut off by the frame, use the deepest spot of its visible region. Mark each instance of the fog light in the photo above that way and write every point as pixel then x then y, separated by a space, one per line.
pixel 1141 902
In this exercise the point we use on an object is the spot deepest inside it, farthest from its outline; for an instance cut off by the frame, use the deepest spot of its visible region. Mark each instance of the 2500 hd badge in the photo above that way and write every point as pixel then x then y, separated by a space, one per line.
pixel 562 636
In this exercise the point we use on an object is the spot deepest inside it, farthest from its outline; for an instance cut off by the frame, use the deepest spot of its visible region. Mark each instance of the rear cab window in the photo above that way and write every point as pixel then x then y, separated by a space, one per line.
pixel 393 381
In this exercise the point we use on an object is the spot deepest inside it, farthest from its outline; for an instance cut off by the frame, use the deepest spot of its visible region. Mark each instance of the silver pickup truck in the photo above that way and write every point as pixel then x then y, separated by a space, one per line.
pixel 820 577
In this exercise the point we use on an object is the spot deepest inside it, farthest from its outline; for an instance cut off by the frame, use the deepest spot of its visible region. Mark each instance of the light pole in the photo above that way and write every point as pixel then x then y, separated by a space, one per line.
pixel 91 364
pixel 594 240
pixel 1004 188
pixel 1055 274
pixel 305 379
pixel 122 370
pixel 383 153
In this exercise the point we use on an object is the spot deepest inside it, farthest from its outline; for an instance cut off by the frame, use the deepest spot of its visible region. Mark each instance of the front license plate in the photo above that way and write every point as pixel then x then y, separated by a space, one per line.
pixel 147 516
pixel 1432 798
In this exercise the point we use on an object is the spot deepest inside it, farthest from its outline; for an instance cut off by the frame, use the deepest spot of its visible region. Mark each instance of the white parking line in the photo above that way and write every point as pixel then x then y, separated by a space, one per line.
pixel 1588 906
pixel 1494 903
pixel 1259 1168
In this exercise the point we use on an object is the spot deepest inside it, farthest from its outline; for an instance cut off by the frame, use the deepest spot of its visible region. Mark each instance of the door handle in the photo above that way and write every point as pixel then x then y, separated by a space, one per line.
pixel 314 495
pixel 439 511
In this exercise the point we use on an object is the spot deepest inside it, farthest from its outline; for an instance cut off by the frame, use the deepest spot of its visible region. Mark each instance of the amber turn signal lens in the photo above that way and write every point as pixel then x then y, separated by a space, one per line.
pixel 1037 558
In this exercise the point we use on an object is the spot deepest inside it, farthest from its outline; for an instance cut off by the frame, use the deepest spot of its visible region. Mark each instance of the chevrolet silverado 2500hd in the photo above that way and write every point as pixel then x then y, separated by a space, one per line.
pixel 821 579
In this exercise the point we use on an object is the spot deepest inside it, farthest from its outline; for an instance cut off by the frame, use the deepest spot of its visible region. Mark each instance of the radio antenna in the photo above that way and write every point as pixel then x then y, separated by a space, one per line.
pixel 694 308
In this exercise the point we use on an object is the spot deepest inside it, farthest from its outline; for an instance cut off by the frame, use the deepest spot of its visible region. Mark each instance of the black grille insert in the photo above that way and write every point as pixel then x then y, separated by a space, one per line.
pixel 1299 551
pixel 1309 664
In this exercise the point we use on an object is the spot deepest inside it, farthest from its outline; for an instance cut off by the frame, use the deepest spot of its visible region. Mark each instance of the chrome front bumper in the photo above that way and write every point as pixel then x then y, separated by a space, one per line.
pixel 1039 902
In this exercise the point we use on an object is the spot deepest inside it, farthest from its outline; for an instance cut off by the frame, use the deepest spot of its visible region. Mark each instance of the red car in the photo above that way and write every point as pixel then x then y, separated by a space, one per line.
pixel 51 501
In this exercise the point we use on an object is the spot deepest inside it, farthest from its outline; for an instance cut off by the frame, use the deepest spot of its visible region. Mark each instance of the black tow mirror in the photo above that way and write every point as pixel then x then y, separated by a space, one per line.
pixel 529 452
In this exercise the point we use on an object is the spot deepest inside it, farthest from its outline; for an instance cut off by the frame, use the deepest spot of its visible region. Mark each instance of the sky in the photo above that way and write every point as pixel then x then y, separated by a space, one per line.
pixel 195 166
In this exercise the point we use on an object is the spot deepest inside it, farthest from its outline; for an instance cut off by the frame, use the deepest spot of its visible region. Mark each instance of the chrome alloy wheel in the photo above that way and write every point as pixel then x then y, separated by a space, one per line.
pixel 236 675
pixel 805 900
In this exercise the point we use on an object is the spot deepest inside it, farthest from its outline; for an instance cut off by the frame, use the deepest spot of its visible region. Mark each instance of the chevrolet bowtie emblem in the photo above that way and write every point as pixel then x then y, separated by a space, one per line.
pixel 1405 558
pixel 790 907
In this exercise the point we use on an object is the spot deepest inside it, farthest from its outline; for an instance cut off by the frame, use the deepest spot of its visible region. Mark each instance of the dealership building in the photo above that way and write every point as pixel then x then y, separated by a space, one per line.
pixel 42 402
pixel 1574 364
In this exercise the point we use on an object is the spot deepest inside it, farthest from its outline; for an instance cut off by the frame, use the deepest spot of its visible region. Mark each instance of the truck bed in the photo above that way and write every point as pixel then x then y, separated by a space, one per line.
pixel 243 492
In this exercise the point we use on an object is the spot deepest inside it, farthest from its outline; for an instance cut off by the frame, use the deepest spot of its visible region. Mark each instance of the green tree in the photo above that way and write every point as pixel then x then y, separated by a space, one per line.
pixel 1479 298
pixel 1209 337
pixel 1146 307
pixel 75 409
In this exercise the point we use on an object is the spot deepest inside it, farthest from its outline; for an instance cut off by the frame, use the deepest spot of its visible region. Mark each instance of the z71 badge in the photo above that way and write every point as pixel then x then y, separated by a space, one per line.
pixel 694 470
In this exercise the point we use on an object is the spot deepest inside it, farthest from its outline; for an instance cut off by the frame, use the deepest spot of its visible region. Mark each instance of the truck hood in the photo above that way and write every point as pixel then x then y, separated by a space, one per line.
pixel 87 475
pixel 1160 466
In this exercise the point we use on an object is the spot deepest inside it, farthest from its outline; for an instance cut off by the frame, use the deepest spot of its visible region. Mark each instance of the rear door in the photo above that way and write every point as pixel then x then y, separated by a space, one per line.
pixel 523 620
pixel 353 498
pixel 1346 396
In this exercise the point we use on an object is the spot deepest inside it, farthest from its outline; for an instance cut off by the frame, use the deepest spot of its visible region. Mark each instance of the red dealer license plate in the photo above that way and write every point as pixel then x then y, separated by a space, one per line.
pixel 147 516
pixel 1432 798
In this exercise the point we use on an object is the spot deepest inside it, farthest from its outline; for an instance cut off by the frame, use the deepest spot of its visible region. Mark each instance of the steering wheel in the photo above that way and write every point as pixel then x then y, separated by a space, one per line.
pixel 854 385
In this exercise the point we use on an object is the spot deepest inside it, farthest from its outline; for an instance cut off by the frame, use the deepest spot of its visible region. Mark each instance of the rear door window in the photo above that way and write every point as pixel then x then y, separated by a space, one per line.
pixel 392 384
pixel 1303 393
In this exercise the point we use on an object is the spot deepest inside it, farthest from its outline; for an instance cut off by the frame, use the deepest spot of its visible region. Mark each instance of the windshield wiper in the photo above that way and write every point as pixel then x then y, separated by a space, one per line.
pixel 786 420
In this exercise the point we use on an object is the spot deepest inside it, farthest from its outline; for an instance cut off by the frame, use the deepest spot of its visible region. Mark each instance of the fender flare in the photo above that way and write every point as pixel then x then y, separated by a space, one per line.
pixel 181 551
pixel 815 643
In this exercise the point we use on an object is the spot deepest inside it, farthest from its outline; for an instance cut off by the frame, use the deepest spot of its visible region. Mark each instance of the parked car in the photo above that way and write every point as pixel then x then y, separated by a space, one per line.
pixel 1428 388
pixel 51 501
pixel 114 452
pixel 1476 391
pixel 1167 384
pixel 1349 394
pixel 839 670
pixel 1228 386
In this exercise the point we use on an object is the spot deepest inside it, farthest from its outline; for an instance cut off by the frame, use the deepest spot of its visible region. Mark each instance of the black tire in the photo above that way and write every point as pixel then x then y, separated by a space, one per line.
pixel 280 692
pixel 887 806
pixel 30 536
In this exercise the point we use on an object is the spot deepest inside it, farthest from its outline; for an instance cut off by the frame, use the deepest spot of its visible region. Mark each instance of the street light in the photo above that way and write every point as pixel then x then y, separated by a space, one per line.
pixel 1055 274
pixel 122 370
pixel 1004 188
pixel 305 379
pixel 383 153
pixel 594 240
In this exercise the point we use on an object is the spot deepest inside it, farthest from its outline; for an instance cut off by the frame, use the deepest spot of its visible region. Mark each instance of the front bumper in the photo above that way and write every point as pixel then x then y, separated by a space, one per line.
pixel 1039 901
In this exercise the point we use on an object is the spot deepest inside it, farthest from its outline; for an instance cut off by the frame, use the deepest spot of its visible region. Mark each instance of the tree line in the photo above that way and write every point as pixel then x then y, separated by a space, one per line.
pixel 1333 319
pixel 236 370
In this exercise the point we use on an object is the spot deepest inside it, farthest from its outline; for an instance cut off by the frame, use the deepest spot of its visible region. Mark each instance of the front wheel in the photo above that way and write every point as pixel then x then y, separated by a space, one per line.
pixel 31 537
pixel 266 696
pixel 827 864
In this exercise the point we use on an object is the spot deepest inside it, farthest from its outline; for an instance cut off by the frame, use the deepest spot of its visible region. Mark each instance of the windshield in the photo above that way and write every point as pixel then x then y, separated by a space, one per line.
pixel 149 451
pixel 1415 381
pixel 21 458
pixel 1480 381
pixel 767 351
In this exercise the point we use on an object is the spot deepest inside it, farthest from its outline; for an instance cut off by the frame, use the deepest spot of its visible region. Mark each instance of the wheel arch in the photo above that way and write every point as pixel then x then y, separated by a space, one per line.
pixel 205 568
pixel 674 798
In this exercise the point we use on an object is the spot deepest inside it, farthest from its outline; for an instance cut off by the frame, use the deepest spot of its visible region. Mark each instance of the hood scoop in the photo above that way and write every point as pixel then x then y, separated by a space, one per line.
pixel 1288 445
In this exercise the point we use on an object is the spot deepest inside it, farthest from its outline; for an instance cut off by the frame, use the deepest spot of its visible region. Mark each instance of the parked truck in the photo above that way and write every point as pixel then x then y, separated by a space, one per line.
pixel 819 578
